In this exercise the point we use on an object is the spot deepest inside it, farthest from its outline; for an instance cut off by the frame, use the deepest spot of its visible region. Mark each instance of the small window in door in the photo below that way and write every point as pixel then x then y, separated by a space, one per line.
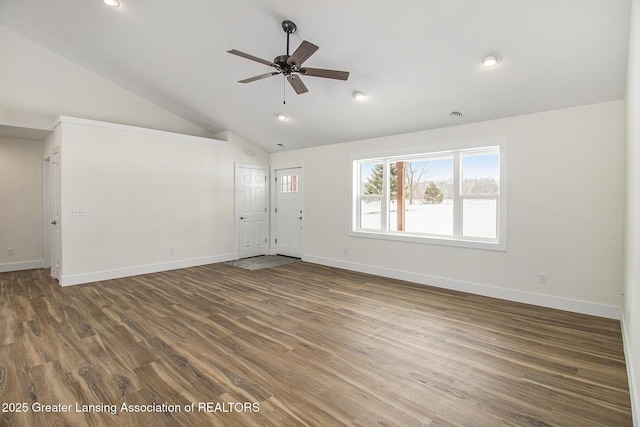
pixel 289 184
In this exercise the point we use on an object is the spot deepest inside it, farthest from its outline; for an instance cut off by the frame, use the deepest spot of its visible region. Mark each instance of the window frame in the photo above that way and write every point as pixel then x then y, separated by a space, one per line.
pixel 455 149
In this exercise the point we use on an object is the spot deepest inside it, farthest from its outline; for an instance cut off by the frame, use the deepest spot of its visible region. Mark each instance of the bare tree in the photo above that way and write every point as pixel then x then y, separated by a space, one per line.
pixel 414 175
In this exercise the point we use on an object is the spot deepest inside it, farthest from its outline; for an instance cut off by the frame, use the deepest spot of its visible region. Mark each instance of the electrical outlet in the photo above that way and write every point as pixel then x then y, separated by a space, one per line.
pixel 9 251
pixel 542 278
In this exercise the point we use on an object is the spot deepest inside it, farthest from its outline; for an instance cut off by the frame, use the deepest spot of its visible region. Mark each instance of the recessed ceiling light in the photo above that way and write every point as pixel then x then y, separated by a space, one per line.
pixel 359 96
pixel 283 117
pixel 456 114
pixel 112 3
pixel 490 60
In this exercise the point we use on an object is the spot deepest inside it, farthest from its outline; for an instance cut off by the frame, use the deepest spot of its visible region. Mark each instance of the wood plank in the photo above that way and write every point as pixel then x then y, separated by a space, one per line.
pixel 302 344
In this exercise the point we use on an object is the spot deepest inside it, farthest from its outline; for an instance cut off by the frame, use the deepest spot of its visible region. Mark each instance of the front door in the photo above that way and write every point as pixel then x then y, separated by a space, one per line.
pixel 251 209
pixel 289 189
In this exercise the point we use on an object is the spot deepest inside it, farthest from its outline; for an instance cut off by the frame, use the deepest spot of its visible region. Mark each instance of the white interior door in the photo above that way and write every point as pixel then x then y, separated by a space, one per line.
pixel 289 218
pixel 54 214
pixel 251 209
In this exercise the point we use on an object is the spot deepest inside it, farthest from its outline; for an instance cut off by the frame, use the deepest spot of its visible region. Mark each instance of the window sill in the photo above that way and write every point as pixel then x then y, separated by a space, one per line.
pixel 431 240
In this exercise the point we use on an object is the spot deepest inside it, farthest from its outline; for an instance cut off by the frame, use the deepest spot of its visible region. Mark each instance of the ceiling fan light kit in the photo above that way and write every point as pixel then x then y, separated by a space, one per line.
pixel 290 66
pixel 359 96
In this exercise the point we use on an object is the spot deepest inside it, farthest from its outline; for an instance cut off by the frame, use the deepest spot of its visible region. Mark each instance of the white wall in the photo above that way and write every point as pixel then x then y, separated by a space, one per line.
pixel 145 192
pixel 21 204
pixel 631 302
pixel 565 211
pixel 44 85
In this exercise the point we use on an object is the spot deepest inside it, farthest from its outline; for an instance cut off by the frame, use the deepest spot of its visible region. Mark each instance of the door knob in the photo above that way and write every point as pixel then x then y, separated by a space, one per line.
pixel 54 222
pixel 299 217
pixel 243 217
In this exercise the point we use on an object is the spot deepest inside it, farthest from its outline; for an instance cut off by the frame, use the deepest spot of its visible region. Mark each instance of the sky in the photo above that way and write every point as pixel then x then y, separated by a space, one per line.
pixel 484 166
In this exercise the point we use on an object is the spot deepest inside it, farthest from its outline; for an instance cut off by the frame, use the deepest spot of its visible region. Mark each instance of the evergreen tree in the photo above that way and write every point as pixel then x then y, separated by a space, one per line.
pixel 432 194
pixel 375 183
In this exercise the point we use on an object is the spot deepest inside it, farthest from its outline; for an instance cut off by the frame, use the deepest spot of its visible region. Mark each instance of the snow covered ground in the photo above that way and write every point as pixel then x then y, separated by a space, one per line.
pixel 479 218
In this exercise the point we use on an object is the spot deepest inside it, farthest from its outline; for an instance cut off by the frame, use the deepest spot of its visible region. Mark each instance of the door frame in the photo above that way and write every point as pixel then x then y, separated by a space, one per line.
pixel 51 199
pixel 46 211
pixel 237 209
pixel 274 204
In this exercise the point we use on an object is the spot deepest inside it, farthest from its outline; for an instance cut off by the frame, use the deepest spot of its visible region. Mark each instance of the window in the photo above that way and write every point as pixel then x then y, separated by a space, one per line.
pixel 289 184
pixel 453 197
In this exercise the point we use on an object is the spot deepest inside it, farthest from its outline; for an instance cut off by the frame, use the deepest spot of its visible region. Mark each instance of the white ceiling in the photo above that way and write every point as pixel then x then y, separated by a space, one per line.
pixel 418 60
pixel 23 133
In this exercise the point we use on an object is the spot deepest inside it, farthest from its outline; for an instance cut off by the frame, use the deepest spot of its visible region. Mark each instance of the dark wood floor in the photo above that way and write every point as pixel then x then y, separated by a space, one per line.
pixel 299 344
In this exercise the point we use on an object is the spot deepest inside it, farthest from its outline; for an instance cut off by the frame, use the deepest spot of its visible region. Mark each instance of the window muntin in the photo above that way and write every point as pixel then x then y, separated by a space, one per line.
pixel 447 196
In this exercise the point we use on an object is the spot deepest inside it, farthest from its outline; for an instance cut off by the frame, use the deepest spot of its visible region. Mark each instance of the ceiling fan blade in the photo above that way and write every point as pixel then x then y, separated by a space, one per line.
pixel 327 74
pixel 302 53
pixel 251 57
pixel 260 77
pixel 296 84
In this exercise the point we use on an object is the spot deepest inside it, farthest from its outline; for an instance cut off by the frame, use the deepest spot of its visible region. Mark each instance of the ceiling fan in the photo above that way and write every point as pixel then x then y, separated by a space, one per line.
pixel 290 66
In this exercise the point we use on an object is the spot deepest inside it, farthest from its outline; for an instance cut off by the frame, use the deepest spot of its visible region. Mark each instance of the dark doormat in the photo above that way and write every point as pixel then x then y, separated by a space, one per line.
pixel 263 261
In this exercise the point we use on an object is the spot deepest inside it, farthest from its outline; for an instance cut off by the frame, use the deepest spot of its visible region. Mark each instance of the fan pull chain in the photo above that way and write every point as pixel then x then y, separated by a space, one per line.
pixel 284 90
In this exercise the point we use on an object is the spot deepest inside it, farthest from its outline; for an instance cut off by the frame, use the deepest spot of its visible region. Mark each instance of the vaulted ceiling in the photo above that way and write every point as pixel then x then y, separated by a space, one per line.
pixel 416 60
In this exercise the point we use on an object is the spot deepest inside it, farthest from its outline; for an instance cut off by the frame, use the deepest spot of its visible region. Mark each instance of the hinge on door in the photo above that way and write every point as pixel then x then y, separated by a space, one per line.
pixel 276 210
pixel 265 210
pixel 276 241
pixel 276 179
pixel 265 240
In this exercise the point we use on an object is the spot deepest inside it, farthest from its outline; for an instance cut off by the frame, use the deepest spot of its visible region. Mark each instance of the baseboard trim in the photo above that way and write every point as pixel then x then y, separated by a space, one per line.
pixel 24 265
pixel 78 279
pixel 576 306
pixel 631 372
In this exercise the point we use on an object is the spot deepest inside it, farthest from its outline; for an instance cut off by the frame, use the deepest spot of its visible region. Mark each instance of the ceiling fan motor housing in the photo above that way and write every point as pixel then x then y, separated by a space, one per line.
pixel 281 64
pixel 281 61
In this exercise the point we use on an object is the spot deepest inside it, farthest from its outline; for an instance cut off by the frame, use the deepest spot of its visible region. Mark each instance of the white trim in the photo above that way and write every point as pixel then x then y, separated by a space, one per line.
pixel 402 236
pixel 431 149
pixel 576 306
pixel 19 266
pixel 78 279
pixel 46 208
pixel 634 392
pixel 136 129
